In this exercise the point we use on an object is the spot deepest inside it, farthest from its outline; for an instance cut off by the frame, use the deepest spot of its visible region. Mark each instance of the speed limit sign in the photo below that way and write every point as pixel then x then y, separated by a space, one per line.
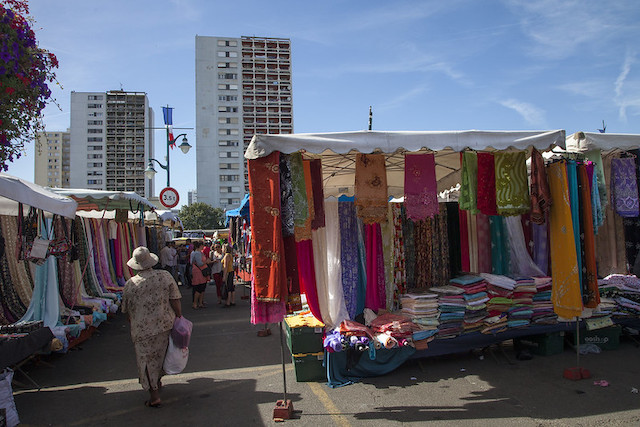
pixel 169 197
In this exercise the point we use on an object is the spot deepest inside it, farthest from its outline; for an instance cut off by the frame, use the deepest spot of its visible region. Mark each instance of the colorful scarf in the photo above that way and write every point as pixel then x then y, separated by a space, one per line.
pixel 287 207
pixel 540 195
pixel 512 189
pixel 469 182
pixel 591 295
pixel 269 272
pixel 567 301
pixel 486 184
pixel 420 186
pixel 371 188
pixel 624 187
pixel 572 181
pixel 299 190
pixel 349 255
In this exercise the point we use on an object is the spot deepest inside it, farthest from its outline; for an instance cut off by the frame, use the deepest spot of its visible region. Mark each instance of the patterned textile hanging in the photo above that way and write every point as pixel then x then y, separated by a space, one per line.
pixel 624 187
pixel 287 208
pixel 371 188
pixel 540 194
pixel 12 306
pixel 18 269
pixel 484 243
pixel 420 186
pixel 469 182
pixel 610 242
pixel 399 272
pixel 373 246
pixel 631 224
pixel 315 168
pixel 453 235
pixel 572 182
pixel 269 271
pixel 512 185
pixel 66 277
pixel 349 255
pixel 566 298
pixel 486 184
pixel 409 248
pixel 590 293
pixel 499 246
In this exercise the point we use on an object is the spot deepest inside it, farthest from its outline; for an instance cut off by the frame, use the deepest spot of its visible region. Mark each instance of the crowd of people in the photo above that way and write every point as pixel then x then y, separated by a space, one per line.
pixel 197 264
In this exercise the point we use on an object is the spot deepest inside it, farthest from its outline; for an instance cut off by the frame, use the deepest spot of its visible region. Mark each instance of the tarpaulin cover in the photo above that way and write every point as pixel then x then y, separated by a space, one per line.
pixel 14 190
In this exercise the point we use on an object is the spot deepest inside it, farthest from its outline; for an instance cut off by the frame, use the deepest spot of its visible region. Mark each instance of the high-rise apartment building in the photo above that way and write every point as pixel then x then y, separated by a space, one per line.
pixel 243 87
pixel 51 161
pixel 111 141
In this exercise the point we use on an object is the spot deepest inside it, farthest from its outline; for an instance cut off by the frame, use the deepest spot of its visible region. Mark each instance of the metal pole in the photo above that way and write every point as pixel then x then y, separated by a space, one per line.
pixel 370 118
pixel 577 341
pixel 168 143
pixel 284 373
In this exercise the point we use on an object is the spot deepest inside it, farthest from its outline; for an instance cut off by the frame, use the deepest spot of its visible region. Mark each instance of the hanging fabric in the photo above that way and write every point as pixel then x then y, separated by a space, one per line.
pixel 520 262
pixel 287 207
pixel 464 240
pixel 484 243
pixel 512 189
pixel 540 194
pixel 315 170
pixel 596 157
pixel 572 181
pixel 486 184
pixel 399 273
pixel 371 187
pixel 541 246
pixel 349 255
pixel 610 242
pixel 453 235
pixel 420 186
pixel 337 307
pixel 566 298
pixel 268 267
pixel 373 245
pixel 590 293
pixel 499 246
pixel 597 210
pixel 624 187
pixel 469 182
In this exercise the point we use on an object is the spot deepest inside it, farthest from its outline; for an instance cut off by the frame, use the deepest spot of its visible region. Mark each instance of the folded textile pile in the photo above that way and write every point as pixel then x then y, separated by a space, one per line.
pixel 475 298
pixel 422 309
pixel 542 306
pixel 619 295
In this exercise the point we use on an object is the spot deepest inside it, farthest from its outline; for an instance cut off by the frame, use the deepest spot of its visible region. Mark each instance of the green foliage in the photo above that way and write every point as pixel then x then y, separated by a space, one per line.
pixel 201 216
pixel 25 72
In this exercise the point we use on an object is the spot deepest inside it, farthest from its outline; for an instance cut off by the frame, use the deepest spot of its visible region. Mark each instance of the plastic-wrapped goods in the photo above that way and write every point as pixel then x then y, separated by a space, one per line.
pixel 181 332
pixel 6 399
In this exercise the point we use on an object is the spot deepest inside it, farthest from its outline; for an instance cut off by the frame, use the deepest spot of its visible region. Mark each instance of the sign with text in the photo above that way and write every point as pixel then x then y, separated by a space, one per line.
pixel 169 197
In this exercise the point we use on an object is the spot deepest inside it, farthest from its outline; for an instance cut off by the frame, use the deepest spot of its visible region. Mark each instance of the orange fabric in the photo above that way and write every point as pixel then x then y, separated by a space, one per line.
pixel 371 188
pixel 269 270
pixel 565 295
pixel 304 233
pixel 592 297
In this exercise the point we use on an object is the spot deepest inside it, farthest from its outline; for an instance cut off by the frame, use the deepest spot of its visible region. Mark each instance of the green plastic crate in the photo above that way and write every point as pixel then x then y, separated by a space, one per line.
pixel 543 344
pixel 605 338
pixel 304 339
pixel 308 367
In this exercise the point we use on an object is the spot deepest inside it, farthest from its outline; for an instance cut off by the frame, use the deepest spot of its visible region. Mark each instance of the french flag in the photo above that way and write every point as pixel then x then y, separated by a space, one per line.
pixel 167 112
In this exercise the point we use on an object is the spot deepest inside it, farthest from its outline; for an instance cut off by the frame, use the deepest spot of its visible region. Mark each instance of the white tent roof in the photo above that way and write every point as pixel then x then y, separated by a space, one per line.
pixel 338 149
pixel 14 190
pixel 585 141
pixel 101 199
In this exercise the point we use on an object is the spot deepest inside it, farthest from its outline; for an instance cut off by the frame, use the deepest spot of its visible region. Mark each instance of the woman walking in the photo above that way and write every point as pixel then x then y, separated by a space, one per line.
pixel 227 276
pixel 152 301
pixel 198 279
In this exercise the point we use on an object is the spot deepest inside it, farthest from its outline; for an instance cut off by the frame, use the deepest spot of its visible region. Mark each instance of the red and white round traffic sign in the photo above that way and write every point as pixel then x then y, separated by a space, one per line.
pixel 169 197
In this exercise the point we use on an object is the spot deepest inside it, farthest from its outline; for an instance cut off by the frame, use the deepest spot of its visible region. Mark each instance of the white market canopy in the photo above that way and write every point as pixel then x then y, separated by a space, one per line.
pixel 99 200
pixel 586 141
pixel 337 151
pixel 14 190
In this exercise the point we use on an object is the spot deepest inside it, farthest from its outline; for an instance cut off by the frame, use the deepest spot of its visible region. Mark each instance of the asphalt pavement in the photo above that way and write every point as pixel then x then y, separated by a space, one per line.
pixel 234 378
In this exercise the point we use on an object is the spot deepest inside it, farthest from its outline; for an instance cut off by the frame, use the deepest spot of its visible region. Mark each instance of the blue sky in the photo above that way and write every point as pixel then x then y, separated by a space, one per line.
pixel 421 65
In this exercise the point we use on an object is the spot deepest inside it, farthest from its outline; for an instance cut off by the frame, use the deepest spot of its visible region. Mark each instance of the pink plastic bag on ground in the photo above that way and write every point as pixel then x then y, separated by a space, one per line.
pixel 181 332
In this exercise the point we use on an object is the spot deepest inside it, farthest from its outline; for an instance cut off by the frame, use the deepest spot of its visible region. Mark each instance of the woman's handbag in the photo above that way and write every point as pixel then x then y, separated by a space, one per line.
pixel 176 358
pixel 206 272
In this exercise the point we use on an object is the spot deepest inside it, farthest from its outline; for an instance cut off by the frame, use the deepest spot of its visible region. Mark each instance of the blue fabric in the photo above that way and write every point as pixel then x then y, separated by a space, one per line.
pixel 242 211
pixel 386 360
pixel 499 246
pixel 572 176
pixel 349 258
pixel 467 279
pixel 362 269
pixel 44 302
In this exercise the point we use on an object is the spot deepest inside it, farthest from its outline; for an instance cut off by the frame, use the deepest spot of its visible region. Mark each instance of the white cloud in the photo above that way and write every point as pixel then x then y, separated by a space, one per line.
pixel 620 99
pixel 529 112
pixel 403 98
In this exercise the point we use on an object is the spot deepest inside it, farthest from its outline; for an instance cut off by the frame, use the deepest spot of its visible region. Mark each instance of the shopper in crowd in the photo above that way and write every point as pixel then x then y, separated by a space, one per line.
pixel 216 256
pixel 169 259
pixel 198 280
pixel 206 249
pixel 228 276
pixel 151 299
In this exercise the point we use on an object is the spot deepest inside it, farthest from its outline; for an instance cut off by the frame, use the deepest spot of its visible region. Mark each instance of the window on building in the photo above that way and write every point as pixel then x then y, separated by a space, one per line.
pixel 227 143
pixel 224 109
pixel 94 165
pixel 94 97
pixel 94 105
pixel 94 130
pixel 94 122
pixel 94 139
pixel 94 147
pixel 227 97
pixel 231 43
pixel 94 181
pixel 94 156
pixel 228 120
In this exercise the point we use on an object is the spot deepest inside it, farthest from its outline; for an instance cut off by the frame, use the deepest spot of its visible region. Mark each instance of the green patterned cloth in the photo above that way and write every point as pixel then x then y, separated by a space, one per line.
pixel 469 186
pixel 300 204
pixel 512 186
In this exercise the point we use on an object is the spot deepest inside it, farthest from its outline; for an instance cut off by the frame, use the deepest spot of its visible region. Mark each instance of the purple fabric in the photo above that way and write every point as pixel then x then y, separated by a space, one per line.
pixel 373 246
pixel 624 187
pixel 541 246
pixel 382 289
pixel 349 255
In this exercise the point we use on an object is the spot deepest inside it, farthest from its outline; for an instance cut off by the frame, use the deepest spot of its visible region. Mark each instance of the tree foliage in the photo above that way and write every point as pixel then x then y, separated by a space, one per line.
pixel 25 71
pixel 200 215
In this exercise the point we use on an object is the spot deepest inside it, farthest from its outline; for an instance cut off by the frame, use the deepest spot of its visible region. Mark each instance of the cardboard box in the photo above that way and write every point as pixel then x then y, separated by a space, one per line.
pixel 308 367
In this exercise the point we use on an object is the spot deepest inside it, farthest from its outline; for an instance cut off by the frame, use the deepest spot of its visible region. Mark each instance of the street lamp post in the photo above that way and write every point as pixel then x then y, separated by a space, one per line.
pixel 184 146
